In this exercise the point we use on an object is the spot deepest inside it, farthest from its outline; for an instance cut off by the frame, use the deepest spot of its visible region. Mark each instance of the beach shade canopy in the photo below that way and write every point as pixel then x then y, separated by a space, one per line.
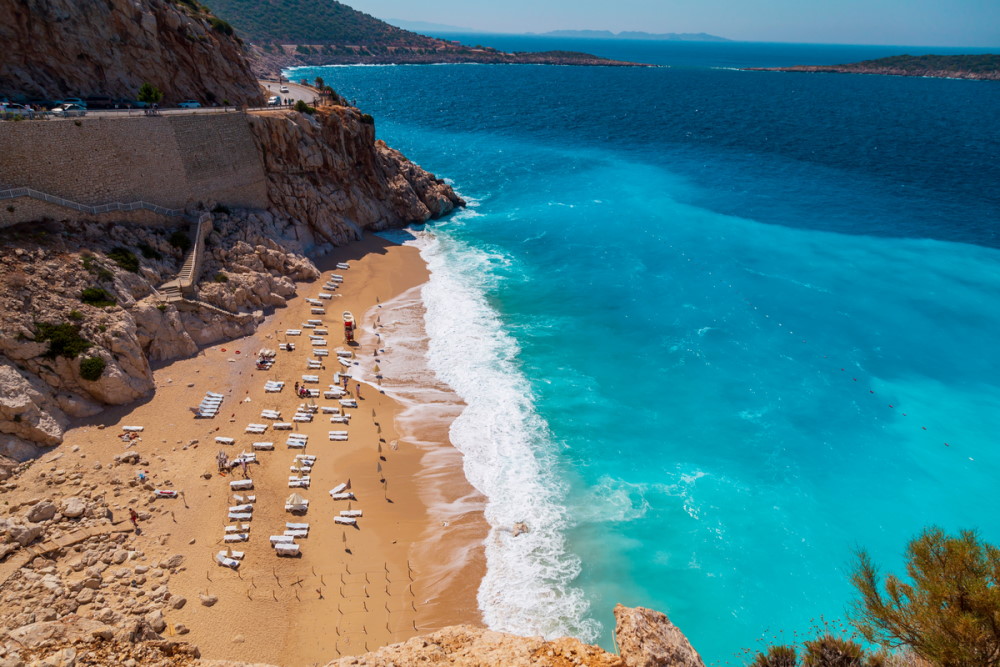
pixel 296 501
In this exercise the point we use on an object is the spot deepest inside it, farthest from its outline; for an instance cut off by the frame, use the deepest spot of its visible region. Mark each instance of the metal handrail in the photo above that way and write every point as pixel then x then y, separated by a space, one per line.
pixel 14 193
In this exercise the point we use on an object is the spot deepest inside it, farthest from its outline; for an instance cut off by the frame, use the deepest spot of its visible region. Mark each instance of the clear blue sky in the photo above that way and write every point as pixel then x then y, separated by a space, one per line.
pixel 893 22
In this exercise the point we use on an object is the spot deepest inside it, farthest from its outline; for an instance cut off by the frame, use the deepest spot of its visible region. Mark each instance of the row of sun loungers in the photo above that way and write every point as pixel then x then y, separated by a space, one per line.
pixel 338 436
pixel 321 353
pixel 313 364
pixel 270 414
pixel 263 446
pixel 318 342
pixel 256 428
pixel 293 332
pixel 273 386
pixel 207 409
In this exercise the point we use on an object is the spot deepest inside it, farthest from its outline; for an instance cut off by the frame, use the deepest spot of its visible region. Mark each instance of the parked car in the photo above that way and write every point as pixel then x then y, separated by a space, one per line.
pixel 283 89
pixel 189 104
pixel 99 102
pixel 11 110
pixel 67 110
pixel 274 101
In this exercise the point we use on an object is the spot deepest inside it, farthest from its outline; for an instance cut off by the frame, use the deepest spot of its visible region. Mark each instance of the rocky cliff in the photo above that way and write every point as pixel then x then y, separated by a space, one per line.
pixel 327 170
pixel 57 48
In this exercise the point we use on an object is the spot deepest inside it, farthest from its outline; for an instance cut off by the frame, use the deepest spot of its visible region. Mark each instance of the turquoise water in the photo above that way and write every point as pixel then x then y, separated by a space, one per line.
pixel 716 329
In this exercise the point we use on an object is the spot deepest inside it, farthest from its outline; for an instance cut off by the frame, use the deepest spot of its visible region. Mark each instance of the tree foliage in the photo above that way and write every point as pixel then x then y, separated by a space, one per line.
pixel 948 609
pixel 64 339
pixel 150 94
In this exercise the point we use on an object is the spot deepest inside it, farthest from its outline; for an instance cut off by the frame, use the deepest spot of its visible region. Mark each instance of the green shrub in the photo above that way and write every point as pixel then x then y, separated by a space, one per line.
pixel 302 107
pixel 947 612
pixel 150 94
pixel 367 119
pixel 97 296
pixel 149 252
pixel 124 258
pixel 221 278
pixel 219 25
pixel 776 656
pixel 161 307
pixel 64 340
pixel 75 315
pixel 92 368
pixel 180 240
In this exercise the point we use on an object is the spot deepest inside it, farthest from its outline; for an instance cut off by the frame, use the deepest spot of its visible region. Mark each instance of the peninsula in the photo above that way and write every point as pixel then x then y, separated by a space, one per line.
pixel 982 66
pixel 313 32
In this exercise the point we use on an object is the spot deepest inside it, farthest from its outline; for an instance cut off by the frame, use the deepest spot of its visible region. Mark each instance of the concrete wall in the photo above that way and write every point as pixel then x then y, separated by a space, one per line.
pixel 171 161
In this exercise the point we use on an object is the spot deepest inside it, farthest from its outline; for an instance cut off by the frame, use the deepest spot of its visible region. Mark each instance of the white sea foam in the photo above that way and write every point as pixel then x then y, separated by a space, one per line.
pixel 508 452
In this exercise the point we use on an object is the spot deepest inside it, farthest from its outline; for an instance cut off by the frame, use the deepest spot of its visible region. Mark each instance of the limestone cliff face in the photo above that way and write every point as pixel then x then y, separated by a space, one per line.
pixel 328 171
pixel 60 48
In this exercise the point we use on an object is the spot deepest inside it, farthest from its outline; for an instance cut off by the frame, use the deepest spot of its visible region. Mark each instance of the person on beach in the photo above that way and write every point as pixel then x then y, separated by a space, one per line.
pixel 133 517
pixel 142 475
pixel 296 387
pixel 243 464
pixel 359 390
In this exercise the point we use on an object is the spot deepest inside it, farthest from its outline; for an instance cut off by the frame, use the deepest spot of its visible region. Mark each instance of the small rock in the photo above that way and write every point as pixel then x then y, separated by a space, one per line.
pixel 181 629
pixel 156 620
pixel 239 639
pixel 208 600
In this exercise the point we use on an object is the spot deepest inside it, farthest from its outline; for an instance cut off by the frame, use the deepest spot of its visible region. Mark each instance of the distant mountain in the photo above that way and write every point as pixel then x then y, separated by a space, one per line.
pixel 288 33
pixel 982 66
pixel 425 27
pixel 666 36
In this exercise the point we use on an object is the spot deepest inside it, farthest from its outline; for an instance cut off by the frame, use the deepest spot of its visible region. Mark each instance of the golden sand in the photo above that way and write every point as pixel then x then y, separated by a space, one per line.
pixel 399 573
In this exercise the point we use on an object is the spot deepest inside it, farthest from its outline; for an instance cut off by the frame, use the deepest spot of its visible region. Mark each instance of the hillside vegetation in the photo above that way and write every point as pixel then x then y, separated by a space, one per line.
pixel 919 65
pixel 313 22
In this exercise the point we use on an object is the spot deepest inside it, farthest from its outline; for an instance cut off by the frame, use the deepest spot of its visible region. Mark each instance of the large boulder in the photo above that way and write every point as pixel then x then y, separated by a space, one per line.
pixel 68 630
pixel 647 638
pixel 42 511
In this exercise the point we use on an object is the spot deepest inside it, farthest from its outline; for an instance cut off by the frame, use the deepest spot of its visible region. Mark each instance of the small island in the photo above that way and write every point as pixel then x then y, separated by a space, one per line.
pixel 983 66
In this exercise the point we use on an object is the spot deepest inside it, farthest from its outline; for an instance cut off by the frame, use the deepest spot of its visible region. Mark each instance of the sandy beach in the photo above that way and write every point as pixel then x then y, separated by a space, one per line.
pixel 403 570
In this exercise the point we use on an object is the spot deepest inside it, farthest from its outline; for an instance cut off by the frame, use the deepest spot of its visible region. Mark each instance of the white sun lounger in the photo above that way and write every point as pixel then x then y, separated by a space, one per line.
pixel 294 443
pixel 239 528
pixel 332 393
pixel 347 495
pixel 213 394
pixel 346 363
pixel 338 489
pixel 282 539
pixel 236 537
pixel 310 378
pixel 286 549
pixel 298 482
pixel 282 426
pixel 329 409
pixel 293 332
pixel 345 353
pixel 297 533
pixel 249 457
pixel 132 429
pixel 346 520
pixel 297 508
pixel 314 302
pixel 340 419
pixel 349 402
pixel 270 414
pixel 287 347
pixel 244 499
pixel 238 555
pixel 289 525
pixel 318 342
pixel 331 286
pixel 274 387
pixel 354 513
pixel 312 393
pixel 224 561
pixel 240 516
pixel 338 436
pixel 321 353
pixel 306 457
pixel 313 365
pixel 316 322
pixel 318 311
pixel 322 332
pixel 297 469
pixel 336 277
pixel 256 428
pixel 308 325
pixel 224 441
pixel 302 418
pixel 324 295
pixel 241 484
pixel 263 446
pixel 245 507
pixel 343 265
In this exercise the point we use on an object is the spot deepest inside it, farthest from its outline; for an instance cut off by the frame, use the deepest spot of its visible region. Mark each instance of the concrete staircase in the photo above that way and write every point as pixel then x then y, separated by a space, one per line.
pixel 183 285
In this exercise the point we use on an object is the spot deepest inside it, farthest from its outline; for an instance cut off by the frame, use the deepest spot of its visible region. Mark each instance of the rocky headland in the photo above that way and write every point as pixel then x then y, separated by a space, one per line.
pixel 984 67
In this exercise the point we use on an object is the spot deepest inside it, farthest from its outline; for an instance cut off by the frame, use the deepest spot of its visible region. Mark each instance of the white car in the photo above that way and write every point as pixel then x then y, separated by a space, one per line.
pixel 190 104
pixel 67 110
pixel 283 89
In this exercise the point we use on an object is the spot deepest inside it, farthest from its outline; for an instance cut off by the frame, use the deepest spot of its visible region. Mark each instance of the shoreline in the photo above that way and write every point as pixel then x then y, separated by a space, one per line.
pixel 399 574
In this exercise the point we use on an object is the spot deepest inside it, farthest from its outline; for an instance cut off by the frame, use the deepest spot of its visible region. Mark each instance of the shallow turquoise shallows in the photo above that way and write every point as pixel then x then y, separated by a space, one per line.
pixel 716 329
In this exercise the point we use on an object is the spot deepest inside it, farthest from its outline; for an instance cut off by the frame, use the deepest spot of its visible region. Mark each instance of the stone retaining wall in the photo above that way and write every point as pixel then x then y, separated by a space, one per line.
pixel 172 161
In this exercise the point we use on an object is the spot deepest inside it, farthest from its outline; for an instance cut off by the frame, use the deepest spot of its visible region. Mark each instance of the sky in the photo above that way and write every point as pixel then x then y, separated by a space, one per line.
pixel 891 22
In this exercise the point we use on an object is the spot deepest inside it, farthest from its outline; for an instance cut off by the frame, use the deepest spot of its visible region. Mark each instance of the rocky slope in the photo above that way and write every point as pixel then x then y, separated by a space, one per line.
pixel 58 48
pixel 328 171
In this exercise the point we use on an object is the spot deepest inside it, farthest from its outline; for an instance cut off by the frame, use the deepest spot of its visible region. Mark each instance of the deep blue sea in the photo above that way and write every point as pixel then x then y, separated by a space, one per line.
pixel 716 329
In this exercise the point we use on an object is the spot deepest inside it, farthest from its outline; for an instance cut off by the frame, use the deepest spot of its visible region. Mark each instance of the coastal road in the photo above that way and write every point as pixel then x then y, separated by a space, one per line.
pixel 296 91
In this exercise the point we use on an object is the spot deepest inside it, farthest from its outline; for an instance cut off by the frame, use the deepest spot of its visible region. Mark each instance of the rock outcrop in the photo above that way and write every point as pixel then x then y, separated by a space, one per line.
pixel 647 638
pixel 328 171
pixel 57 48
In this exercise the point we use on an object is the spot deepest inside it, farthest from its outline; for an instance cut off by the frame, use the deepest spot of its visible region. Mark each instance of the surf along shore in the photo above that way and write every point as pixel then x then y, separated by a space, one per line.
pixel 409 566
